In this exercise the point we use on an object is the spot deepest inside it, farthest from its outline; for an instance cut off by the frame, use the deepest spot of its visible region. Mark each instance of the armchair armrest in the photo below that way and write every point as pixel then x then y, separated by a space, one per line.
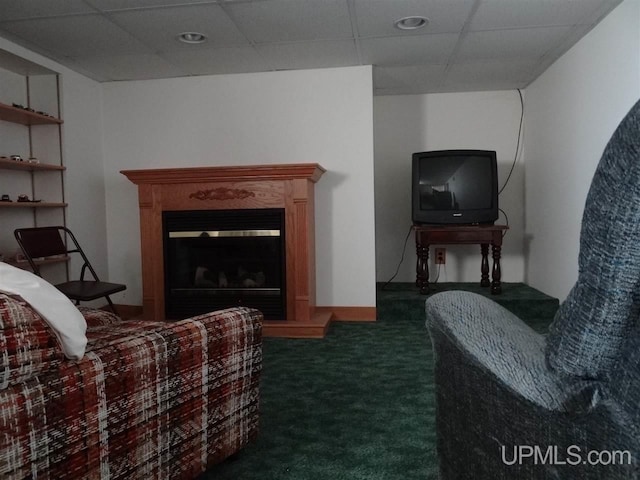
pixel 494 393
pixel 497 341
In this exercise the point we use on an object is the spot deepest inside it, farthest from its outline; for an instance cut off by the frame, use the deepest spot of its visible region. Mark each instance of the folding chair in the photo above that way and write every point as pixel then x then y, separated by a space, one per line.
pixel 49 241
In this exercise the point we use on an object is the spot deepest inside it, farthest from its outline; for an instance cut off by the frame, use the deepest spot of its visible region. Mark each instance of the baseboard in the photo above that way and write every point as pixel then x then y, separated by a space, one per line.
pixel 350 314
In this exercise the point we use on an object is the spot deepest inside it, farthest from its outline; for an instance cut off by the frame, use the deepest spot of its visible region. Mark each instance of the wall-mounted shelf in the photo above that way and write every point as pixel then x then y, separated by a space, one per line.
pixel 32 205
pixel 13 114
pixel 43 261
pixel 32 167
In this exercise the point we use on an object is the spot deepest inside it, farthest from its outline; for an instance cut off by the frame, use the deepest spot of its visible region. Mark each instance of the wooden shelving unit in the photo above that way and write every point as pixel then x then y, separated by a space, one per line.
pixel 36 133
pixel 24 117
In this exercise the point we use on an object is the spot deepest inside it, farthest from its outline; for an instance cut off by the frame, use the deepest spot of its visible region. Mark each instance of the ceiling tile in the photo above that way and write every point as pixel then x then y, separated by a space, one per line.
pixel 76 35
pixel 129 67
pixel 291 20
pixel 491 74
pixel 16 9
pixel 320 54
pixel 113 5
pixel 218 60
pixel 505 43
pixel 412 50
pixel 375 17
pixel 529 43
pixel 160 27
pixel 494 14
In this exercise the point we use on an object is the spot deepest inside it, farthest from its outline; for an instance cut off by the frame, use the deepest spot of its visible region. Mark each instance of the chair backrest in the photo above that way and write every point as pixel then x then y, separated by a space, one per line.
pixel 601 312
pixel 40 242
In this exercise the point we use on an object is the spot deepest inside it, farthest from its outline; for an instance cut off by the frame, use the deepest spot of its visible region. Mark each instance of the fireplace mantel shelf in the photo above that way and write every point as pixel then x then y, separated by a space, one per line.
pixel 310 171
pixel 286 186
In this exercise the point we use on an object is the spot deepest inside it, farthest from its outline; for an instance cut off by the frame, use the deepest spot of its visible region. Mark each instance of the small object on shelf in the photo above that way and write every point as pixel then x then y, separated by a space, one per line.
pixel 5 198
pixel 33 160
pixel 17 158
pixel 29 109
pixel 25 198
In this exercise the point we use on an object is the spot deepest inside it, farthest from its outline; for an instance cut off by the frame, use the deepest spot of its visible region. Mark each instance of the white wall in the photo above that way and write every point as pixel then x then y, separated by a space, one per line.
pixel 572 110
pixel 404 124
pixel 84 179
pixel 320 116
pixel 82 151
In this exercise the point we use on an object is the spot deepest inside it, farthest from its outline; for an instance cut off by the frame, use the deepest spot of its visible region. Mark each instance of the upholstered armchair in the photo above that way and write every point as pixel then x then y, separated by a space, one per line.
pixel 514 404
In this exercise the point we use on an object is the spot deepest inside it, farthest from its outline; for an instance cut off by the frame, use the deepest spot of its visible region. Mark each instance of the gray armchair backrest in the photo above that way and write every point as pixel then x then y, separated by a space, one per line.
pixel 591 327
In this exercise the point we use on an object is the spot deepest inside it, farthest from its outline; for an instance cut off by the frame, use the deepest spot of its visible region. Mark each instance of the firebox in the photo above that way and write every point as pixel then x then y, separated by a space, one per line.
pixel 216 259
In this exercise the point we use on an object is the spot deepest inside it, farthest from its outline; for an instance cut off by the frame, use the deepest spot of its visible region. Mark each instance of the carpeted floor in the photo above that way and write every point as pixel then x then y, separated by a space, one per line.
pixel 358 404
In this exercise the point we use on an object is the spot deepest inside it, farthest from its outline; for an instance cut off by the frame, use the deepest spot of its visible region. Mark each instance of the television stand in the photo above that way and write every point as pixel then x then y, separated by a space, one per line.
pixel 484 235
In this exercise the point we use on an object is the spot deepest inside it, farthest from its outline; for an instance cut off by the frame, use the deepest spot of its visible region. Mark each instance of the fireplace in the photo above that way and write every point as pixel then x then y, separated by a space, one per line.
pixel 168 193
pixel 216 259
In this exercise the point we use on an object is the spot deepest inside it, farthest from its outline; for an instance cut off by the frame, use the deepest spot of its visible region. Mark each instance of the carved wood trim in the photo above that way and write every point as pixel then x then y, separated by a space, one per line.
pixel 222 193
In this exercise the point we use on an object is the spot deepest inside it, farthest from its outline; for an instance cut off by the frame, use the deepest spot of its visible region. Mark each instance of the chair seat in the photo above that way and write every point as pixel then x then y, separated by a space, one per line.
pixel 89 290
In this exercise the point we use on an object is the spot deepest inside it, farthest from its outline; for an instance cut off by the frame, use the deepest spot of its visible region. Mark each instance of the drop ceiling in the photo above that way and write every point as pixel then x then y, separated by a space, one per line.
pixel 467 45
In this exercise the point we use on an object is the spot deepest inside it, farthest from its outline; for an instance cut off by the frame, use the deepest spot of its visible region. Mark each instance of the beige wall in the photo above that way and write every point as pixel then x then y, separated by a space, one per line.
pixel 572 110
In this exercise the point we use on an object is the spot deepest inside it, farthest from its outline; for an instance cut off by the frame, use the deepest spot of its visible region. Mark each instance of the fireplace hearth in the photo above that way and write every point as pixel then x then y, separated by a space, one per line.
pixel 224 258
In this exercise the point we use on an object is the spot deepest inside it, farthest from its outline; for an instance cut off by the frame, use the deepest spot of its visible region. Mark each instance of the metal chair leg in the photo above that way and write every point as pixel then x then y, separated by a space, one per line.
pixel 113 307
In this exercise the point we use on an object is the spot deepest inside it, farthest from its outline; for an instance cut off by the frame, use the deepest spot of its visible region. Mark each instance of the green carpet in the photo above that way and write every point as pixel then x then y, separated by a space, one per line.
pixel 358 404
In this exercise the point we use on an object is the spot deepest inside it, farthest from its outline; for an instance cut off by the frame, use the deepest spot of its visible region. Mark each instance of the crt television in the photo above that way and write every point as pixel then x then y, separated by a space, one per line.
pixel 455 187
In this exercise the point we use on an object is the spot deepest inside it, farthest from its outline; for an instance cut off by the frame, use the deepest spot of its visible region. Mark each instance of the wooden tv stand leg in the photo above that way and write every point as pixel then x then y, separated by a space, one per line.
pixel 484 266
pixel 496 286
pixel 422 266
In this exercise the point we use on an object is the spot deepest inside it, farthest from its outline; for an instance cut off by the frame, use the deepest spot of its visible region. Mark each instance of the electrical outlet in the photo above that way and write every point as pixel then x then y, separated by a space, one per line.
pixel 441 256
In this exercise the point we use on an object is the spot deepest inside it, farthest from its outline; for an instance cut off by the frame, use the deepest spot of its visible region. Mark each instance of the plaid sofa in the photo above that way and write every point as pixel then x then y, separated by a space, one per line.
pixel 148 400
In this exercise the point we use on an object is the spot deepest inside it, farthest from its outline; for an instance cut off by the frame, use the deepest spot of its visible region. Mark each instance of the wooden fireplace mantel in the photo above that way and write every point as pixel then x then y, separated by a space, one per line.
pixel 309 171
pixel 287 186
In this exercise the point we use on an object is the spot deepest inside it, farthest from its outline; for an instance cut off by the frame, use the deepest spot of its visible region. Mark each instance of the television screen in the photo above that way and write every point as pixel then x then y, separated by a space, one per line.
pixel 455 186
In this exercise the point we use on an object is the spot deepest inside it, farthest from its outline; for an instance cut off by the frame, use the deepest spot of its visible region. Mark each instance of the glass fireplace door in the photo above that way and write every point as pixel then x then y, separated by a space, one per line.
pixel 223 258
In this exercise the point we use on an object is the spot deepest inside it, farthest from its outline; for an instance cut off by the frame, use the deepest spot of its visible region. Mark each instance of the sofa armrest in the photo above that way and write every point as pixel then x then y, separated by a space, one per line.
pixel 96 317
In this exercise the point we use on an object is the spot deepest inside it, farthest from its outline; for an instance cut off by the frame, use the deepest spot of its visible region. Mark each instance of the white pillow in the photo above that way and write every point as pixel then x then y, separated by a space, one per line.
pixel 54 307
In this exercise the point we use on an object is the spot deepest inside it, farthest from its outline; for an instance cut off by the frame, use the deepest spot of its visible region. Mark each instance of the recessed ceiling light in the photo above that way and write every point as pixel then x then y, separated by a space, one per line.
pixel 192 37
pixel 411 23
